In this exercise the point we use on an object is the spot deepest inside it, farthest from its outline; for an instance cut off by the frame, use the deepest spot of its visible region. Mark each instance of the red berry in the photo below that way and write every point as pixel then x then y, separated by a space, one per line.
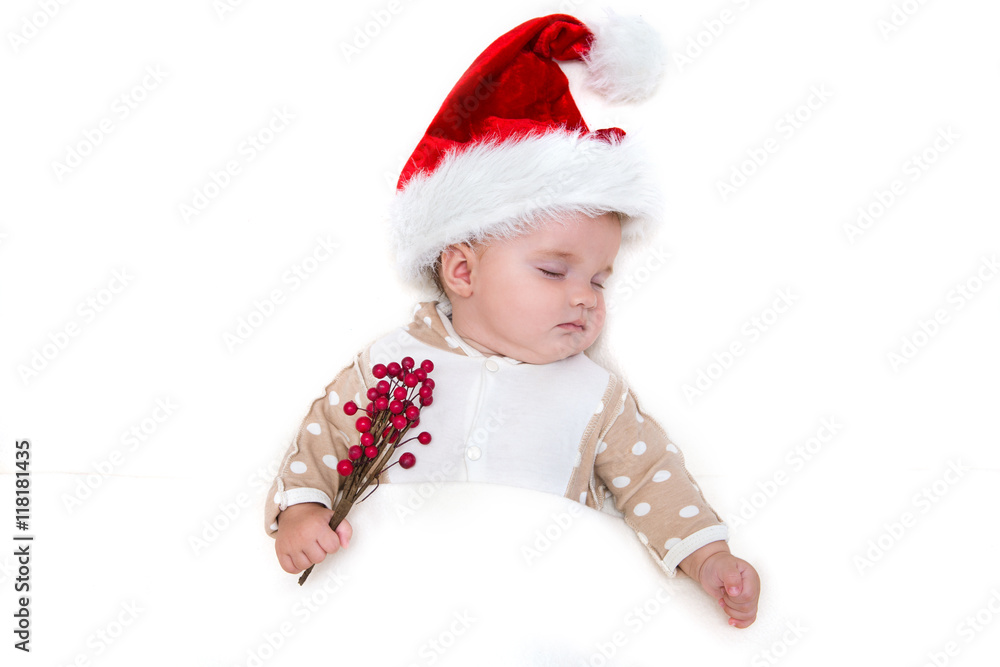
pixel 386 431
pixel 408 363
pixel 370 408
pixel 345 467
pixel 425 391
pixel 427 365
pixel 395 407
pixel 381 403
pixel 399 421
pixel 371 451
pixel 378 370
pixel 407 460
pixel 399 393
pixel 412 413
pixel 410 380
pixel 426 400
pixel 367 439
pixel 416 423
pixel 354 452
pixel 363 424
pixel 421 374
pixel 424 438
pixel 350 408
pixel 383 387
pixel 372 394
pixel 429 383
pixel 395 434
pixel 392 370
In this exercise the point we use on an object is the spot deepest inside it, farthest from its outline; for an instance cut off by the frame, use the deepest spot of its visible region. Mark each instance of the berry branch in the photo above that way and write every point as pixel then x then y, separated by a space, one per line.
pixel 390 413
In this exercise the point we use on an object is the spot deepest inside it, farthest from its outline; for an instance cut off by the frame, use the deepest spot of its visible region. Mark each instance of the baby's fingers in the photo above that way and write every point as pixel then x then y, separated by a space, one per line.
pixel 732 581
pixel 285 560
pixel 740 615
pixel 299 562
pixel 329 541
pixel 291 559
pixel 344 531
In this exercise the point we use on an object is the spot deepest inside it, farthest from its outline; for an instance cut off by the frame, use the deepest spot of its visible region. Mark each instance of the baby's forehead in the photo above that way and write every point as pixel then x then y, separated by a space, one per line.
pixel 536 244
pixel 552 232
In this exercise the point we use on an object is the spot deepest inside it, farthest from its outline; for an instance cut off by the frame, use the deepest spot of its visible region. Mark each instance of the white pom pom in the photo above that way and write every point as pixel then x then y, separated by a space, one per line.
pixel 626 59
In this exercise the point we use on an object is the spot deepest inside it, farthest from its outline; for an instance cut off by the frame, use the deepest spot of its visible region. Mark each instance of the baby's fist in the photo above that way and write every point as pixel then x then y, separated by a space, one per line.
pixel 734 583
pixel 305 537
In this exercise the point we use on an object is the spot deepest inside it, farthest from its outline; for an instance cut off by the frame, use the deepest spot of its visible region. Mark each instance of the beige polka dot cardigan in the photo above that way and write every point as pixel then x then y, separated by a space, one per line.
pixel 570 428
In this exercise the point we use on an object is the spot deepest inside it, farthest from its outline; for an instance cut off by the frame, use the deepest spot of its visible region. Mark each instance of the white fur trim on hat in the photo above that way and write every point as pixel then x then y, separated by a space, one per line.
pixel 626 59
pixel 501 189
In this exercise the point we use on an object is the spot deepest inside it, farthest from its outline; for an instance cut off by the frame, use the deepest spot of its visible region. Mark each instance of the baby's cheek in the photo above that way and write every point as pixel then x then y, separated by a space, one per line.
pixel 599 315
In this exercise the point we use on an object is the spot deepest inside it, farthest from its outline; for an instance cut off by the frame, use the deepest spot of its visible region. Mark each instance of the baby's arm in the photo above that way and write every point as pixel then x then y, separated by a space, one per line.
pixel 730 580
pixel 645 473
pixel 305 537
pixel 299 504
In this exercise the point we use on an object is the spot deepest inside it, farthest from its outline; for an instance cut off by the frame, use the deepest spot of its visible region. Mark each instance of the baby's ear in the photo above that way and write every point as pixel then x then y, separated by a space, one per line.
pixel 456 274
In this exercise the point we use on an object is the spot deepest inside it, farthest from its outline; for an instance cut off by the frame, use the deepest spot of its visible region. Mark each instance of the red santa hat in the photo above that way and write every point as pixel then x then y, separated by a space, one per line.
pixel 508 147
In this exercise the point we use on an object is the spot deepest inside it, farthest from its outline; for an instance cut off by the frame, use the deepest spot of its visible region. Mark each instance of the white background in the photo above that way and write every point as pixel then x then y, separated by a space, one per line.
pixel 128 540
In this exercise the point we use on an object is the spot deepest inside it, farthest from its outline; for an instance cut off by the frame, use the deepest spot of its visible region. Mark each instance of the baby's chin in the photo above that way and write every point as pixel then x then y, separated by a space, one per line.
pixel 569 346
pixel 545 347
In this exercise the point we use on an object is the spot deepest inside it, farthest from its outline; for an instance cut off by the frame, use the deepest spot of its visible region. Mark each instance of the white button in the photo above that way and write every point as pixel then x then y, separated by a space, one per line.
pixel 492 365
pixel 473 453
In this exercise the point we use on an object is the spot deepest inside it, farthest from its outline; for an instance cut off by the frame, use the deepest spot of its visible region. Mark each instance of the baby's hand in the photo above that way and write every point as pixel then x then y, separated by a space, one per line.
pixel 305 537
pixel 734 583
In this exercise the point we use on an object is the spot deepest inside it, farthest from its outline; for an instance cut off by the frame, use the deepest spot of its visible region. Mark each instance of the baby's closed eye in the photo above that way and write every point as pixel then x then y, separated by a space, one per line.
pixel 559 275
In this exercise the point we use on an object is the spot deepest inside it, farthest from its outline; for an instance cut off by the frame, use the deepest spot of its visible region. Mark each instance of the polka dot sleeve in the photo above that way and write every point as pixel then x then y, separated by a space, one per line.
pixel 645 473
pixel 308 472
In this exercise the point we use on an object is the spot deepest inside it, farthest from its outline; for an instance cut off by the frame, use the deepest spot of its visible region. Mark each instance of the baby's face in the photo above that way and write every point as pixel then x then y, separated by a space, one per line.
pixel 539 298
